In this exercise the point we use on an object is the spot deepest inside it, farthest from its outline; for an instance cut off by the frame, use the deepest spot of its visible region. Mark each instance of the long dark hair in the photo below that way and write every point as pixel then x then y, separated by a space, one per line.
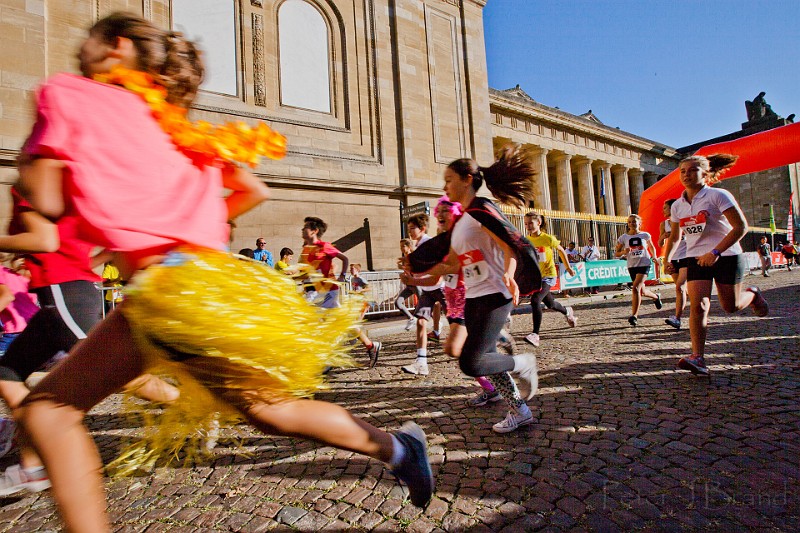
pixel 509 179
pixel 172 60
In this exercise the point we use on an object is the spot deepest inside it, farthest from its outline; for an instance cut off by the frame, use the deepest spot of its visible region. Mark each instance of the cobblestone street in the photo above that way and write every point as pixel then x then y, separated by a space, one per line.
pixel 622 441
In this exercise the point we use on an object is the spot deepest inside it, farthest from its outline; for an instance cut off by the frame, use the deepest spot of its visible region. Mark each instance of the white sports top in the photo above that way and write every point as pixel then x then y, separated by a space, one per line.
pixel 638 254
pixel 481 259
pixel 680 249
pixel 702 220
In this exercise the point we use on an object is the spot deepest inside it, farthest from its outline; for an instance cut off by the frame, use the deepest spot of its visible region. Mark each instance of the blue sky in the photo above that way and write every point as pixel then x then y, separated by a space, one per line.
pixel 677 72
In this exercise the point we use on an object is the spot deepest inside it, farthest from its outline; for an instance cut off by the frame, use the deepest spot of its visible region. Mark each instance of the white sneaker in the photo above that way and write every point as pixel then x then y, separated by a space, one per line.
pixel 572 320
pixel 15 480
pixel 533 338
pixel 521 416
pixel 416 368
pixel 7 429
pixel 411 323
pixel 528 371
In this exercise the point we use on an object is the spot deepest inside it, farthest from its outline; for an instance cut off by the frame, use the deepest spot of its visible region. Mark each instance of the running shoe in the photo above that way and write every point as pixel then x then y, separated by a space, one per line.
pixel 410 323
pixel 528 371
pixel 632 320
pixel 433 336
pixel 759 304
pixel 415 469
pixel 373 353
pixel 658 302
pixel 533 338
pixel 16 479
pixel 521 416
pixel 673 321
pixel 572 320
pixel 482 398
pixel 694 364
pixel 416 368
pixel 8 429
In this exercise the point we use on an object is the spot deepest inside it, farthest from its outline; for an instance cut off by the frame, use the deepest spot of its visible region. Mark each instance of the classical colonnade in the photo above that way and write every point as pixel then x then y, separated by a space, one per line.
pixel 576 182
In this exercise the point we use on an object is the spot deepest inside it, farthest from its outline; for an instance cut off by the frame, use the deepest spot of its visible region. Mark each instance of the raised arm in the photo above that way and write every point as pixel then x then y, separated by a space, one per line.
pixel 247 190
pixel 40 235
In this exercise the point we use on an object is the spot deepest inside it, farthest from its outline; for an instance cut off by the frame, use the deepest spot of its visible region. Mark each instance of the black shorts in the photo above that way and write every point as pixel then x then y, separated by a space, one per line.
pixel 678 264
pixel 69 310
pixel 427 300
pixel 455 320
pixel 638 270
pixel 728 270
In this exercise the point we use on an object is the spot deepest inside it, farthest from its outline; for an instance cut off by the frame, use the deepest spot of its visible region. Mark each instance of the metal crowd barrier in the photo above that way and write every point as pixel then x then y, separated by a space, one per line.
pixel 381 291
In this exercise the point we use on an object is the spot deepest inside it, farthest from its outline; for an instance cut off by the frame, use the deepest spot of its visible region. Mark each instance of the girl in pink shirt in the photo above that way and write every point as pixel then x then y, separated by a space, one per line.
pixel 95 141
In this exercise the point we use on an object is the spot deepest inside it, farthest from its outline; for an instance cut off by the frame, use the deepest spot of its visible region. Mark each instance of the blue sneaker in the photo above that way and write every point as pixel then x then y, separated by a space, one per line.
pixel 415 468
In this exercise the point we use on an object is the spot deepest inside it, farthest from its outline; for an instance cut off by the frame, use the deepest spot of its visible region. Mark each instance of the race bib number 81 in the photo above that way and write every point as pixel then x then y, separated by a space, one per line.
pixel 474 267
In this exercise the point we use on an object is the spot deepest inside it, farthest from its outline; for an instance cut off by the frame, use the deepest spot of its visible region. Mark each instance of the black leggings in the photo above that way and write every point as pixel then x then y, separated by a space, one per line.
pixel 69 310
pixel 400 301
pixel 536 308
pixel 484 317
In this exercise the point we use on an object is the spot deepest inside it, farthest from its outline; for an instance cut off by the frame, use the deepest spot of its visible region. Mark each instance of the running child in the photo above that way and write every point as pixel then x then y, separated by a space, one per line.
pixel 170 234
pixel 637 247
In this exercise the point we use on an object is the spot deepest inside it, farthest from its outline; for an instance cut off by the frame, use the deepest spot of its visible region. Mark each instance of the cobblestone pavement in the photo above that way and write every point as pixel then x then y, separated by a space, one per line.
pixel 622 441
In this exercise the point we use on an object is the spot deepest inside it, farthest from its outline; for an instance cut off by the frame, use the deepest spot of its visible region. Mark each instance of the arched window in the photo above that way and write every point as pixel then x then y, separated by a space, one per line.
pixel 211 24
pixel 305 78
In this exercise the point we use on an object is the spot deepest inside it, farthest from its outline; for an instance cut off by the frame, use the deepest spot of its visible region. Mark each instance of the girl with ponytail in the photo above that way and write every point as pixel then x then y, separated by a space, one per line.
pixel 485 248
pixel 713 224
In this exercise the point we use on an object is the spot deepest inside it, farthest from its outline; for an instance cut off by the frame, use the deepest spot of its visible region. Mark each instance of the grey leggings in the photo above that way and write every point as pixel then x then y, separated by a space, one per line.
pixel 484 318
pixel 545 296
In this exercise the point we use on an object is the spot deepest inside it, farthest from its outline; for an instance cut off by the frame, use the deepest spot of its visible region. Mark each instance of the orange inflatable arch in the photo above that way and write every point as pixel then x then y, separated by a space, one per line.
pixel 761 151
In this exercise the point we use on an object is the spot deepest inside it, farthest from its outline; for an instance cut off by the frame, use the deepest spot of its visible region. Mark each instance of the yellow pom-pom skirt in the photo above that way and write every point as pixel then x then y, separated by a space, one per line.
pixel 252 328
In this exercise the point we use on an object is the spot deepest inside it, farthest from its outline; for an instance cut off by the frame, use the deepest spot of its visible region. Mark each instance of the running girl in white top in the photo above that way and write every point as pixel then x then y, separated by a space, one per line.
pixel 637 246
pixel 488 265
pixel 713 225
pixel 678 264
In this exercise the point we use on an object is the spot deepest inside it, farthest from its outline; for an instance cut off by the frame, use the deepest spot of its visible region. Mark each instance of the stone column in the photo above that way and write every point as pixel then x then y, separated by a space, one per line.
pixel 541 181
pixel 566 200
pixel 608 199
pixel 622 197
pixel 637 188
pixel 650 179
pixel 586 186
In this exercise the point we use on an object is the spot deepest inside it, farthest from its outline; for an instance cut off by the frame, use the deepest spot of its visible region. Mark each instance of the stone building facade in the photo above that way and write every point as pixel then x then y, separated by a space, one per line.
pixel 403 93
pixel 582 165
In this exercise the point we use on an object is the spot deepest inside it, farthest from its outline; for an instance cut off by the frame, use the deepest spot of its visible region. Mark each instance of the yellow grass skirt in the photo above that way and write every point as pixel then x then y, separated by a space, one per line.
pixel 206 303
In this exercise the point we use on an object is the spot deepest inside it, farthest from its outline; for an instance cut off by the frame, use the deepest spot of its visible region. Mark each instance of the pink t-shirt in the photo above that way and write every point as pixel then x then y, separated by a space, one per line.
pixel 131 185
pixel 16 314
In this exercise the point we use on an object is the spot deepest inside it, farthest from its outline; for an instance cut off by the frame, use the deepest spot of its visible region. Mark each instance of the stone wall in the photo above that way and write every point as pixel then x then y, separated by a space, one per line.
pixel 409 90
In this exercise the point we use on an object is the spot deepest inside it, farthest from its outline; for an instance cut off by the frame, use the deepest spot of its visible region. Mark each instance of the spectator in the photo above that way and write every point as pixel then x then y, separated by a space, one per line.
pixel 573 254
pixel 247 252
pixel 112 278
pixel 765 254
pixel 357 283
pixel 285 262
pixel 590 252
pixel 261 253
pixel 788 252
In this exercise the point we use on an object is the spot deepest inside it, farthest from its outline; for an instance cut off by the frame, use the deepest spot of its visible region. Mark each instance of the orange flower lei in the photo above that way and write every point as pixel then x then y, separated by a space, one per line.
pixel 235 141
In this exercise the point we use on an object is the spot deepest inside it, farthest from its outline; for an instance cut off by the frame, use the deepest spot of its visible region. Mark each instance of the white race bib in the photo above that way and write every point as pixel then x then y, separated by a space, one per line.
pixel 693 227
pixel 451 281
pixel 474 267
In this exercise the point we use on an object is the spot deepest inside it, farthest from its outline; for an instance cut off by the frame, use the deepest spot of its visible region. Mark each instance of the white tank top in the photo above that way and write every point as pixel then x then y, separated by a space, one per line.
pixel 481 259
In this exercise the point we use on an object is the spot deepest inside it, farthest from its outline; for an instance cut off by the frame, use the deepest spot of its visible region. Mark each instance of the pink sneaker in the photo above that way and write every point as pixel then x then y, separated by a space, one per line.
pixel 694 364
pixel 759 304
